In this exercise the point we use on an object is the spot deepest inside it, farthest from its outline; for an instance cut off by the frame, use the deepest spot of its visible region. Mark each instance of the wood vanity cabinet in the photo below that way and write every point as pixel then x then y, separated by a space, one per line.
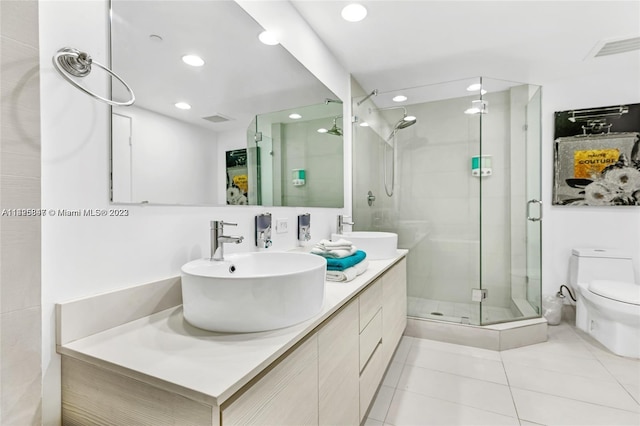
pixel 338 369
pixel 287 395
pixel 329 378
pixel 394 308
pixel 354 348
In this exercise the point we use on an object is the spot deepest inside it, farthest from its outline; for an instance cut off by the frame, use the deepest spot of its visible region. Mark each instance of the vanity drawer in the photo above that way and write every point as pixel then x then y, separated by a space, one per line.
pixel 369 338
pixel 370 379
pixel 370 302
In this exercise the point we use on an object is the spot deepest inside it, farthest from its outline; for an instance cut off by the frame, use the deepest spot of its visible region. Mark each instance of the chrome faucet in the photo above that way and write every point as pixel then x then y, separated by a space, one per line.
pixel 218 240
pixel 263 230
pixel 342 222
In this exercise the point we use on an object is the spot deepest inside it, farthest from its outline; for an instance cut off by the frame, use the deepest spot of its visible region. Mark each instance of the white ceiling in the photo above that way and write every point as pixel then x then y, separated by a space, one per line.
pixel 241 76
pixel 405 44
pixel 400 44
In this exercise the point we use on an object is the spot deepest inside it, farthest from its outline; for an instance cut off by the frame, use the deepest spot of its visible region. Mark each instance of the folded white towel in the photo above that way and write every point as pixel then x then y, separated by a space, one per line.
pixel 349 273
pixel 334 253
pixel 329 245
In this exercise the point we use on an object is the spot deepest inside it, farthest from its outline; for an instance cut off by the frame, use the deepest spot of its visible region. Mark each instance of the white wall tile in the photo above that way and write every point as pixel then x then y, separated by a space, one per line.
pixel 19 21
pixel 20 380
pixel 20 257
pixel 20 89
pixel 20 271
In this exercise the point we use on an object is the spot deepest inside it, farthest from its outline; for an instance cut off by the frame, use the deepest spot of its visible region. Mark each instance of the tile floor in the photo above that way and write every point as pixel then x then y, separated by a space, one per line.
pixel 569 380
pixel 453 312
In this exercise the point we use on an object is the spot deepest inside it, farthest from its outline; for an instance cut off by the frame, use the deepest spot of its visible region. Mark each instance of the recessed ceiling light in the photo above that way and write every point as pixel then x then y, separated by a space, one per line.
pixel 295 116
pixel 183 105
pixel 322 130
pixel 364 124
pixel 399 98
pixel 354 12
pixel 193 60
pixel 268 38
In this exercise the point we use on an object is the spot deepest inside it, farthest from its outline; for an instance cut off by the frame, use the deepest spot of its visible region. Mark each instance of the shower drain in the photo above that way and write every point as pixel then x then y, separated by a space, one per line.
pixel 437 313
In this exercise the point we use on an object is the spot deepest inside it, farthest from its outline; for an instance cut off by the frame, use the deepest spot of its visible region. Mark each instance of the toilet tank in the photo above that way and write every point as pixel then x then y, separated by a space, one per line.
pixel 587 265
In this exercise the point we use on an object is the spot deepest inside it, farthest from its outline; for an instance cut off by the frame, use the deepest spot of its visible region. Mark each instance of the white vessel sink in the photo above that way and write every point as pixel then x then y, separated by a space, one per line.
pixel 253 291
pixel 377 245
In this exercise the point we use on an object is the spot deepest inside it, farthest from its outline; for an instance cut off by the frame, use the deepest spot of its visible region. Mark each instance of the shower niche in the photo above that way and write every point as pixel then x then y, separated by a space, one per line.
pixel 464 180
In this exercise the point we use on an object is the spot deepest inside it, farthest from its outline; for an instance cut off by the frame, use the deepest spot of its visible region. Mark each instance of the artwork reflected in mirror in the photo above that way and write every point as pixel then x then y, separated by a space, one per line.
pixel 171 146
pixel 597 156
pixel 237 177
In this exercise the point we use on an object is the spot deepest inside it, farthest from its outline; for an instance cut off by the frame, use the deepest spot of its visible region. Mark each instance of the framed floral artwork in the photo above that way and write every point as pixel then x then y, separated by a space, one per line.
pixel 237 177
pixel 597 156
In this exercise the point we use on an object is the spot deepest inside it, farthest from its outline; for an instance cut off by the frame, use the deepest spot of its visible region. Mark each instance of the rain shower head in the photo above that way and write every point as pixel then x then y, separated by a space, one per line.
pixel 335 130
pixel 405 122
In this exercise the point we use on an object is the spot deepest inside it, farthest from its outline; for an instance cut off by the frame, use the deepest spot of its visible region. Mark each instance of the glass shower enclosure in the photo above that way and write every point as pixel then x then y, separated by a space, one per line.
pixel 455 172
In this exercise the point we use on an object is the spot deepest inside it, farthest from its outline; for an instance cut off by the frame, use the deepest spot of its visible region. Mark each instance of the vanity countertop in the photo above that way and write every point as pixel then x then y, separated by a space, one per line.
pixel 164 350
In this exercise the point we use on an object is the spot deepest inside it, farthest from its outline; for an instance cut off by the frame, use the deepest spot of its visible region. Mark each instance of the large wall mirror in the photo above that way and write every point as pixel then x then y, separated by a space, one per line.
pixel 223 132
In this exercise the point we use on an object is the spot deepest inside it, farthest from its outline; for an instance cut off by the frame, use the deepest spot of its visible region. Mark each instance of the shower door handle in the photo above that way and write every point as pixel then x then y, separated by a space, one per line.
pixel 533 219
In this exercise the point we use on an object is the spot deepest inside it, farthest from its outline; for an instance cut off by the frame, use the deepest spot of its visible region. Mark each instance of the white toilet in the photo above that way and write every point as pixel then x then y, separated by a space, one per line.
pixel 608 306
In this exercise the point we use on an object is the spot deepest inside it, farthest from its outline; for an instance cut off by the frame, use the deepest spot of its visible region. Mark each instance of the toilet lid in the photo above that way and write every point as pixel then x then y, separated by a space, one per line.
pixel 616 290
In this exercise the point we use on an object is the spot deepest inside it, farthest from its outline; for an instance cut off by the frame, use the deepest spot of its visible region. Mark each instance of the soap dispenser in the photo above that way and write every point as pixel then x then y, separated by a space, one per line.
pixel 304 227
pixel 263 230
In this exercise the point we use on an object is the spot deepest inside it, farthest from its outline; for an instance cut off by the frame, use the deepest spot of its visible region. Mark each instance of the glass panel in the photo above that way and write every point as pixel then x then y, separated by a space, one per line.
pixel 458 180
pixel 496 172
pixel 434 203
pixel 510 149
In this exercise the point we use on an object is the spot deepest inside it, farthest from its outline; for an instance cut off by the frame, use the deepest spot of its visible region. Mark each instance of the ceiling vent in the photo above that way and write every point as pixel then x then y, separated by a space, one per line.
pixel 613 47
pixel 217 118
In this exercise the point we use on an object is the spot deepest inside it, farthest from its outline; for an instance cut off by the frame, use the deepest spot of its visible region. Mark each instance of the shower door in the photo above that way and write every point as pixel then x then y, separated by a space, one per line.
pixel 511 210
pixel 534 218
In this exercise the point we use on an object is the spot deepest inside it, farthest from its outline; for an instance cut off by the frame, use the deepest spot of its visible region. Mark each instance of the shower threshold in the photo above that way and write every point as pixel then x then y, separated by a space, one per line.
pixel 497 337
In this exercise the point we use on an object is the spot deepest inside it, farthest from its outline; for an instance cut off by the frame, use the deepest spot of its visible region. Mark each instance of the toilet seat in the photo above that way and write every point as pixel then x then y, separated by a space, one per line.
pixel 616 290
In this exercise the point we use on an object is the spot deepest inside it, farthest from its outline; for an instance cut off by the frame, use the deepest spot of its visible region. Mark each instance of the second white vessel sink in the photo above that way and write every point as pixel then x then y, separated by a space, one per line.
pixel 252 292
pixel 377 245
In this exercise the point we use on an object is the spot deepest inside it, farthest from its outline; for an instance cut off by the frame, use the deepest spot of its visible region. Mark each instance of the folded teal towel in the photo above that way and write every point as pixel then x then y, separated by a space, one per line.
pixel 345 262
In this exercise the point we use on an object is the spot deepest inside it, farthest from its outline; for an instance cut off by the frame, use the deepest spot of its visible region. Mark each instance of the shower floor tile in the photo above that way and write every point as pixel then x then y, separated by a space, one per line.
pixel 447 384
pixel 456 312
